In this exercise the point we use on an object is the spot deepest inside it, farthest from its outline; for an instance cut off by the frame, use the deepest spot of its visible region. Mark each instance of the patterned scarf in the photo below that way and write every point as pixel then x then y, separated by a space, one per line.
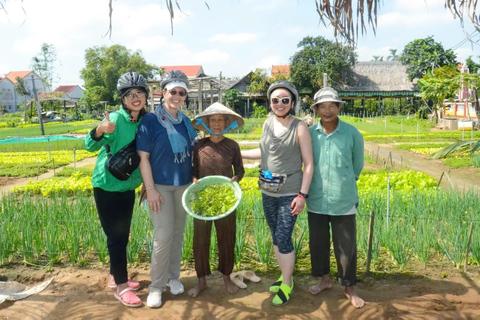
pixel 178 143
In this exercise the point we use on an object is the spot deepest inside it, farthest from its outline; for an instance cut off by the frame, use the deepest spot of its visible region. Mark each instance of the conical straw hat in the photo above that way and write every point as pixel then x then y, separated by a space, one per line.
pixel 201 121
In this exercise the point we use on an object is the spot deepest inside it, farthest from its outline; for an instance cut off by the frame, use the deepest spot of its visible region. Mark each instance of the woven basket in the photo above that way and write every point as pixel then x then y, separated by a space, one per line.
pixel 194 188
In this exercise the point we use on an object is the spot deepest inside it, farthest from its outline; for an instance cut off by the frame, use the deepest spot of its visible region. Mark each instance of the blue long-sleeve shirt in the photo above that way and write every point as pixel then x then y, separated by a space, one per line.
pixel 338 161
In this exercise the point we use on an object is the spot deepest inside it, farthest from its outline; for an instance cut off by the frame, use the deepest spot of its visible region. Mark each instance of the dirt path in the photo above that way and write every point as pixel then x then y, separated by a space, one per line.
pixel 81 293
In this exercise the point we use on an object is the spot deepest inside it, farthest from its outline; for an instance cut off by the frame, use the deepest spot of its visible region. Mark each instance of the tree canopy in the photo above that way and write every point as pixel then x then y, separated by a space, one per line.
pixel 318 56
pixel 259 82
pixel 104 65
pixel 43 64
pixel 473 67
pixel 232 98
pixel 422 54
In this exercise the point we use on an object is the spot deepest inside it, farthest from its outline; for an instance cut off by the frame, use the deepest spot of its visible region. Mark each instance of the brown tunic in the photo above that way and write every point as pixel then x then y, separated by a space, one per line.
pixel 221 158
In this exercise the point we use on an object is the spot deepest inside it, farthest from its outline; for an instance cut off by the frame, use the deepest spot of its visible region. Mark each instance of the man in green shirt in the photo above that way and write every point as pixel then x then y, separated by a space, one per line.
pixel 333 196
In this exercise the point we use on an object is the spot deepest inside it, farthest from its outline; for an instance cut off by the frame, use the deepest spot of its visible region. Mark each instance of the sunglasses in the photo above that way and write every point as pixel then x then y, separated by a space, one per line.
pixel 131 96
pixel 283 100
pixel 174 92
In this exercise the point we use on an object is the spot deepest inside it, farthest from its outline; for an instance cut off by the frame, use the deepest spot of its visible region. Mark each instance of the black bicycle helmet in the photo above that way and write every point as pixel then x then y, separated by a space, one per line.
pixel 285 85
pixel 173 75
pixel 131 80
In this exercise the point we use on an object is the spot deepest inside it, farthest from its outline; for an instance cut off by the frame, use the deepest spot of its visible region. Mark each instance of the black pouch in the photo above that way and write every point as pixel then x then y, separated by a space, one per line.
pixel 122 164
pixel 273 184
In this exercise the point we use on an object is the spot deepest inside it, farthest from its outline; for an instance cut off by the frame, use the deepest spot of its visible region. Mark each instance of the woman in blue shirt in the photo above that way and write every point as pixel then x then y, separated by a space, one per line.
pixel 165 144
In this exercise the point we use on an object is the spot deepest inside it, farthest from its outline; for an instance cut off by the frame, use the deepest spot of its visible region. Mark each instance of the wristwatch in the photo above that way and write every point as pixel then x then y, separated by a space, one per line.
pixel 303 195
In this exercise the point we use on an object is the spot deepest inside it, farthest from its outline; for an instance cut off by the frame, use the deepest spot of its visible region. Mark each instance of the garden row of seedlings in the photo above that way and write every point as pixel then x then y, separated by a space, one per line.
pixel 413 224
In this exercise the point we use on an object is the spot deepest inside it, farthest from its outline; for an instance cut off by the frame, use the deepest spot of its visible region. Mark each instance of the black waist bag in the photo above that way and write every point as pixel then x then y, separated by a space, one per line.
pixel 122 164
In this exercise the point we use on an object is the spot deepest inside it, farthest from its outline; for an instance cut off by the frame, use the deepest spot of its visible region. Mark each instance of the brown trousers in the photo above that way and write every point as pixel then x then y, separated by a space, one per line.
pixel 226 232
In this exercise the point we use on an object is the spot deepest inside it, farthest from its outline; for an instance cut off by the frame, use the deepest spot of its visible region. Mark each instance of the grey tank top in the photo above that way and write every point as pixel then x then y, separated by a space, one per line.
pixel 282 155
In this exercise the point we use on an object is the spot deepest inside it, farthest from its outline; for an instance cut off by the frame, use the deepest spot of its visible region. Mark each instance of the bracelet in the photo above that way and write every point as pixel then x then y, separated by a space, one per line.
pixel 150 186
pixel 303 195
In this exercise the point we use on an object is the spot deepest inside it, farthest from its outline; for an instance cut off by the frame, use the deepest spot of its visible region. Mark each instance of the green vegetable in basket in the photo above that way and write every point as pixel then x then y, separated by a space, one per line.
pixel 213 200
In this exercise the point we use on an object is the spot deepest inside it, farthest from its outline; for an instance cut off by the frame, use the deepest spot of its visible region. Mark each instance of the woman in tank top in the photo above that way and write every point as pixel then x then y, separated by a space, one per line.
pixel 285 147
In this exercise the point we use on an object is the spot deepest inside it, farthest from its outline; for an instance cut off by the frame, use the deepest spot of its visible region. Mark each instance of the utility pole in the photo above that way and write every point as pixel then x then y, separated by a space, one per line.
pixel 220 88
pixel 39 110
pixel 325 80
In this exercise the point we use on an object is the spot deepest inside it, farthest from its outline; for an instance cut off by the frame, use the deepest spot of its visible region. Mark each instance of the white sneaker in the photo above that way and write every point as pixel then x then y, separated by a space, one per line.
pixel 154 299
pixel 176 287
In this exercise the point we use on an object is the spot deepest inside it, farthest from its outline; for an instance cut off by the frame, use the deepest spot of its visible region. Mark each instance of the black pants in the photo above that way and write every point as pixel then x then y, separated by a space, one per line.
pixel 115 210
pixel 344 236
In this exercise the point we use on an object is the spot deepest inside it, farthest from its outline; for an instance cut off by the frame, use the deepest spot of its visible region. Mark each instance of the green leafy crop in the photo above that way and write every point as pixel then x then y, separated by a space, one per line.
pixel 214 200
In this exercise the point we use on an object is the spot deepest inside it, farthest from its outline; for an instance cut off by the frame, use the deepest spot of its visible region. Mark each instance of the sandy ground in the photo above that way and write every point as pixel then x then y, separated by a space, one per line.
pixel 77 293
pixel 435 291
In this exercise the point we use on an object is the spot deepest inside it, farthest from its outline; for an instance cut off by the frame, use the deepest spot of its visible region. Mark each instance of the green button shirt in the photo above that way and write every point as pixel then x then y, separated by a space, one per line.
pixel 338 162
pixel 125 132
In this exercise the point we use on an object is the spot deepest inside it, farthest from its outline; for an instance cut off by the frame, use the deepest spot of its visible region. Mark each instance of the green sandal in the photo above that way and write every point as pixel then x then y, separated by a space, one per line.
pixel 283 295
pixel 276 285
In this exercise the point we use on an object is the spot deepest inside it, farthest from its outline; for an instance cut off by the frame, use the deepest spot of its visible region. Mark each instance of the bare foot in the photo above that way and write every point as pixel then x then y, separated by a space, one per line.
pixel 325 284
pixel 231 287
pixel 355 300
pixel 201 285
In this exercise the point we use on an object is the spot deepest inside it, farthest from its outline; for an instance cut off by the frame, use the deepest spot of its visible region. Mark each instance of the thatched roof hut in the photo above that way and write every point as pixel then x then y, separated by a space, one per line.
pixel 374 79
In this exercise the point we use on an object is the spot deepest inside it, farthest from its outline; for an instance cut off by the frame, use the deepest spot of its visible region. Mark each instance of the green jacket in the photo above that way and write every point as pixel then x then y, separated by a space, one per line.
pixel 125 132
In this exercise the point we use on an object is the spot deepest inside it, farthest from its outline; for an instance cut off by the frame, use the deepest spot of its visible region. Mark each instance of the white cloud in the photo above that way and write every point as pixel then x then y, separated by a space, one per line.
pixel 268 62
pixel 210 56
pixel 234 38
pixel 148 43
pixel 464 53
pixel 293 31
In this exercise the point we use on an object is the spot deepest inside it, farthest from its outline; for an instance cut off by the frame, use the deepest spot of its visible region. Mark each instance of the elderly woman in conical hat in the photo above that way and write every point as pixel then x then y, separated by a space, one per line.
pixel 216 155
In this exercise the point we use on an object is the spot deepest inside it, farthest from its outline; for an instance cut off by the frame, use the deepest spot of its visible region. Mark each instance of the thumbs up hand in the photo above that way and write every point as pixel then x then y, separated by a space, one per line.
pixel 106 126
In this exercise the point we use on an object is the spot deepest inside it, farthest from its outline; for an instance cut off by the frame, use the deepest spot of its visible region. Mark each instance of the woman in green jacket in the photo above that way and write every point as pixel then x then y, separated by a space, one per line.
pixel 115 198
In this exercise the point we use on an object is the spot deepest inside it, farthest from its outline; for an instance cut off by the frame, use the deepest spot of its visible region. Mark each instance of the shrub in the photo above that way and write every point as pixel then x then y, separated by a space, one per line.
pixel 475 160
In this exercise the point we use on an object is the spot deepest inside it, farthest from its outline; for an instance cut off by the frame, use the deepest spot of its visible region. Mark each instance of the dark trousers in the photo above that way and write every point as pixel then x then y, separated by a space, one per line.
pixel 344 236
pixel 226 232
pixel 115 210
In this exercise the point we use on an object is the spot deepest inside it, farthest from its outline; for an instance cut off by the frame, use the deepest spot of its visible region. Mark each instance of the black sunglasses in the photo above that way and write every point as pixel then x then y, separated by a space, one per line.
pixel 180 93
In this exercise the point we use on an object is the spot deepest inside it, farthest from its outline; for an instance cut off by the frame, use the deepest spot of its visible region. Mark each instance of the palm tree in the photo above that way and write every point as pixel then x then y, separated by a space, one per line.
pixel 393 55
pixel 339 13
pixel 473 145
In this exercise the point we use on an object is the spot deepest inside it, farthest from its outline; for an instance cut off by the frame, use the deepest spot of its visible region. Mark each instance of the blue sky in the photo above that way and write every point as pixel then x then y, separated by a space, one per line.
pixel 232 37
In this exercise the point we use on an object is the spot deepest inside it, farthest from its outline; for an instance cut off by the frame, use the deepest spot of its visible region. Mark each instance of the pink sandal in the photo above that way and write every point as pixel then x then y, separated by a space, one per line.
pixel 128 298
pixel 134 285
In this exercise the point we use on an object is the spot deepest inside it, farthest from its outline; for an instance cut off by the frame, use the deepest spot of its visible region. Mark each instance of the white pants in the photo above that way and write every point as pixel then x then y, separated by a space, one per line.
pixel 169 226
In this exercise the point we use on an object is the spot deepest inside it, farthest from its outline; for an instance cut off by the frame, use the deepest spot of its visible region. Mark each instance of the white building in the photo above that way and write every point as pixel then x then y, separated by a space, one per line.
pixel 9 98
pixel 73 92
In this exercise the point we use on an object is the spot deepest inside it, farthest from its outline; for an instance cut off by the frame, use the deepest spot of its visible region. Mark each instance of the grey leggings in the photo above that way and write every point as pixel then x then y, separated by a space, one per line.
pixel 280 220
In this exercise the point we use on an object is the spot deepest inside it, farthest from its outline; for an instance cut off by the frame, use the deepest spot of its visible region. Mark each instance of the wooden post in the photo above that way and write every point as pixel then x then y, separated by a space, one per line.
pixel 39 107
pixel 220 98
pixel 200 96
pixel 468 247
pixel 211 91
pixel 370 240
